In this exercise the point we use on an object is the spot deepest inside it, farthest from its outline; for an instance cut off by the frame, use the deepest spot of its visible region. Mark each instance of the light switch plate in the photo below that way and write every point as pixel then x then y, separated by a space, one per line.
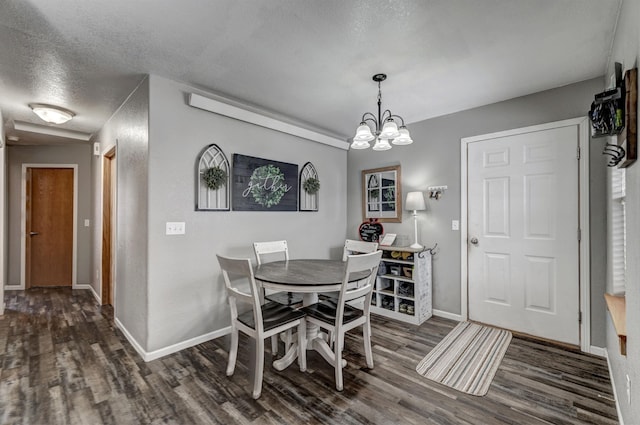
pixel 455 225
pixel 175 228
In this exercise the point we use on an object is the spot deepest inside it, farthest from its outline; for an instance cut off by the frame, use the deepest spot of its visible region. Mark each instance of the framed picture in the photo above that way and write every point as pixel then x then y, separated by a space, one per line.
pixel 264 185
pixel 382 194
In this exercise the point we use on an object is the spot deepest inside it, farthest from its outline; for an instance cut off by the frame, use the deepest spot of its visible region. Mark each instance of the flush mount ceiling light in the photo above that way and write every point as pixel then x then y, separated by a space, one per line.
pixel 384 127
pixel 51 114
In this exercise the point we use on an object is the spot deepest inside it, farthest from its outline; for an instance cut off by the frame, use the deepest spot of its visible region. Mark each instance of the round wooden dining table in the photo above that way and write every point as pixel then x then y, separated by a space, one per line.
pixel 308 277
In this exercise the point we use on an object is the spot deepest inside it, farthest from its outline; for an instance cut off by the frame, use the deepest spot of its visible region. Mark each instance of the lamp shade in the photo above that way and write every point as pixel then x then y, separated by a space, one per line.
pixel 415 201
pixel 389 130
pixel 404 138
pixel 51 114
pixel 363 133
pixel 381 145
pixel 360 145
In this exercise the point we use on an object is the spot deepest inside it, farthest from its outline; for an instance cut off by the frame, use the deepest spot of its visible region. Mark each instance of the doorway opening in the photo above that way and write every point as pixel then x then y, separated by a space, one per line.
pixel 108 227
pixel 49 222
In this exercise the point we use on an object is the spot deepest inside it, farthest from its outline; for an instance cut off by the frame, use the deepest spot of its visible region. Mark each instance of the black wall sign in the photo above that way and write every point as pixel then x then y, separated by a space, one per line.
pixel 370 231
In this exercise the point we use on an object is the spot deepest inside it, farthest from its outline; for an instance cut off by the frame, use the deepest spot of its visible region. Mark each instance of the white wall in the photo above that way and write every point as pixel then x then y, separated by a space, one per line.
pixel 186 294
pixel 434 159
pixel 626 49
pixel 128 130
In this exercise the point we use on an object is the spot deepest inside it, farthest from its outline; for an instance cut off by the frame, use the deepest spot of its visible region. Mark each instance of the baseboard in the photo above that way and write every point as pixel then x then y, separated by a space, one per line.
pixel 95 295
pixel 598 351
pixel 613 385
pixel 13 288
pixel 447 315
pixel 156 354
pixel 186 344
pixel 81 286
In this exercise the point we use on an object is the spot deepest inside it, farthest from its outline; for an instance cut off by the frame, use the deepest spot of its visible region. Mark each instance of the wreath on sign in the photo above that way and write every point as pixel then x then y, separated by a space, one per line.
pixel 311 185
pixel 214 177
pixel 267 185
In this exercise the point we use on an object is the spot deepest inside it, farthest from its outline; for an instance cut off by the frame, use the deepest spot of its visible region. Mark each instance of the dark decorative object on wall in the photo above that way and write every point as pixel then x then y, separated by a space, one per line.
pixel 371 230
pixel 264 185
pixel 309 187
pixel 212 180
pixel 629 138
pixel 624 100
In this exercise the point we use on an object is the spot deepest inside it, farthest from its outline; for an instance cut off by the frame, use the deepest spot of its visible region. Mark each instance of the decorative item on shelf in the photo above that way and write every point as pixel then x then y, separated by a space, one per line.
pixel 384 127
pixel 212 180
pixel 407 271
pixel 371 230
pixel 388 239
pixel 214 177
pixel 309 188
pixel 415 203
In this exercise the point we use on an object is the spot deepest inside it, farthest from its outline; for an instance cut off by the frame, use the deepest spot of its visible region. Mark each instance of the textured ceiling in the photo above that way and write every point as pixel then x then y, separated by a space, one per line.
pixel 308 61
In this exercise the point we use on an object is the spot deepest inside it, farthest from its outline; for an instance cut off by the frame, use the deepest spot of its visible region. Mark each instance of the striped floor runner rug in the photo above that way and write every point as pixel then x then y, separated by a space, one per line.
pixel 467 358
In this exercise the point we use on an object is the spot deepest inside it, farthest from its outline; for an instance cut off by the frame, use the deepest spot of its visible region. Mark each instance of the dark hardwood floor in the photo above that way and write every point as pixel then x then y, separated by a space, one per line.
pixel 62 361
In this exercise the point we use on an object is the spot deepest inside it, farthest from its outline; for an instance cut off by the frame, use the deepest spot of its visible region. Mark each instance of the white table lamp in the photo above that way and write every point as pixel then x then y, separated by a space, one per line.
pixel 415 203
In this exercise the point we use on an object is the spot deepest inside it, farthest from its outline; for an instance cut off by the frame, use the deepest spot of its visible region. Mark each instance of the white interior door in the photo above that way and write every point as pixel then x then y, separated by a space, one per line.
pixel 523 221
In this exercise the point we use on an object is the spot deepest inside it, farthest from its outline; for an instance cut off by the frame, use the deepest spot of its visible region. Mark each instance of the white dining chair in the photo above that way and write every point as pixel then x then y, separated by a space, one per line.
pixel 351 247
pixel 275 251
pixel 261 321
pixel 339 317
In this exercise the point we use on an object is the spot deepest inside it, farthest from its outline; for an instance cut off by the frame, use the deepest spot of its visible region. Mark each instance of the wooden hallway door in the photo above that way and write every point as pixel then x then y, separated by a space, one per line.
pixel 49 227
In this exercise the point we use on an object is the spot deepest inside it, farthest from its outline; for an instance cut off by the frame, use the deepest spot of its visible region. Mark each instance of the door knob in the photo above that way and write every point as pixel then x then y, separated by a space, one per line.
pixel 33 233
pixel 474 241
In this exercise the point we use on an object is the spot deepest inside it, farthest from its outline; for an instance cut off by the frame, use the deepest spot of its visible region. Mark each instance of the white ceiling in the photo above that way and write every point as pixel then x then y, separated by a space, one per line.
pixel 310 61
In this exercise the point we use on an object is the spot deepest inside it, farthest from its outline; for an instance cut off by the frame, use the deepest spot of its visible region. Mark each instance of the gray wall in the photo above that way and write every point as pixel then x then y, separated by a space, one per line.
pixel 186 294
pixel 626 50
pixel 68 154
pixel 434 159
pixel 128 130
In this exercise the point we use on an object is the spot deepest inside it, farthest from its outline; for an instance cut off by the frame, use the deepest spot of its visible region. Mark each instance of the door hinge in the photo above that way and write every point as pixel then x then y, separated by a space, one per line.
pixel 579 317
pixel 579 235
pixel 578 154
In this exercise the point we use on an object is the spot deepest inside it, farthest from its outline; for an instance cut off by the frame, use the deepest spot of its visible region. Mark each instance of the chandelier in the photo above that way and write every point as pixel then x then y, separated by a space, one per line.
pixel 385 128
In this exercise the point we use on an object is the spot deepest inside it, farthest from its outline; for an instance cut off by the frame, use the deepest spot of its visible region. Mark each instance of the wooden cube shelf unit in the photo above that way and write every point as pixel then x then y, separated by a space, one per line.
pixel 403 285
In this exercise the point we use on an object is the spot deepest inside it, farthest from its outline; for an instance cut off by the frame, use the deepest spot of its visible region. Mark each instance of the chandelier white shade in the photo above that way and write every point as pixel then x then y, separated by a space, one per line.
pixel 51 114
pixel 384 127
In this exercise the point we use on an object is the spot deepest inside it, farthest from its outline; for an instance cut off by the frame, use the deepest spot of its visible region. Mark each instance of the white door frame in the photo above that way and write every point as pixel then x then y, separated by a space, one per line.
pixel 23 221
pixel 583 175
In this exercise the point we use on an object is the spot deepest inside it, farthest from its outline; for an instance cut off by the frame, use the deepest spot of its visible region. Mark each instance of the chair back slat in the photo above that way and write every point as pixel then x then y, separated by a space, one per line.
pixel 235 270
pixel 358 263
pixel 353 247
pixel 262 249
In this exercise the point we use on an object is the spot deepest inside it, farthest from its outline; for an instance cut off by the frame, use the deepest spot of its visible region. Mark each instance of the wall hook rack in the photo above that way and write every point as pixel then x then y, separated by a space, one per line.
pixel 616 153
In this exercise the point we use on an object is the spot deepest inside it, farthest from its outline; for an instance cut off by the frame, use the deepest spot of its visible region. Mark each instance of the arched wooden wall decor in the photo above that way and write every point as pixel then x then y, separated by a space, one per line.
pixel 216 198
pixel 308 201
